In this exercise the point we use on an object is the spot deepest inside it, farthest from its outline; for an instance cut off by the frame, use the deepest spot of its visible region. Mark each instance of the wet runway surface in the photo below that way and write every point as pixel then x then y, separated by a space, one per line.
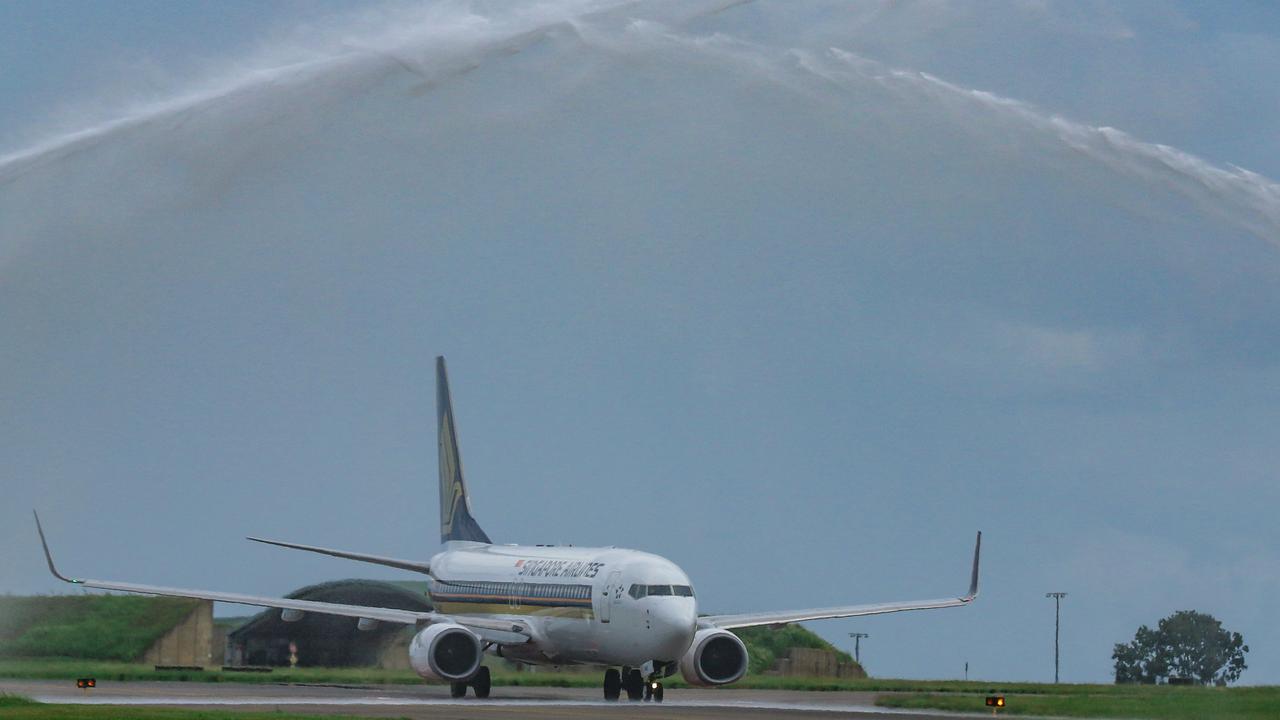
pixel 428 701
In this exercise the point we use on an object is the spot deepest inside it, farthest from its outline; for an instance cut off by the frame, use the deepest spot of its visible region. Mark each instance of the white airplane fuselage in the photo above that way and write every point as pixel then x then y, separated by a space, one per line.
pixel 581 605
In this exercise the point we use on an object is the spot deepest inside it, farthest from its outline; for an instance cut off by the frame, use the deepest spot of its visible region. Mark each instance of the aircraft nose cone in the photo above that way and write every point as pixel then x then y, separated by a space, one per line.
pixel 673 623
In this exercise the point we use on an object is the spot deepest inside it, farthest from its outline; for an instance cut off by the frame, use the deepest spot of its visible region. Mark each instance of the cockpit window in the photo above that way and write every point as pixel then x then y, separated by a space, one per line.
pixel 640 591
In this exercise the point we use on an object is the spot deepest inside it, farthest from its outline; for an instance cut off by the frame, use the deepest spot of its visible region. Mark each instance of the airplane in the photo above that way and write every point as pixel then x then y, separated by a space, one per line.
pixel 631 612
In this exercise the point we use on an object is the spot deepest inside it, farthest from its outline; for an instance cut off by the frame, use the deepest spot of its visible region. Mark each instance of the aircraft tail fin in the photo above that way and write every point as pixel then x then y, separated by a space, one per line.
pixel 456 522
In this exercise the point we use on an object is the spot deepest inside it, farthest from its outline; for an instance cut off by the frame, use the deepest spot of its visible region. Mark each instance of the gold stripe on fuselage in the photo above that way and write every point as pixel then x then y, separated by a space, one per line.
pixel 517 600
pixel 472 608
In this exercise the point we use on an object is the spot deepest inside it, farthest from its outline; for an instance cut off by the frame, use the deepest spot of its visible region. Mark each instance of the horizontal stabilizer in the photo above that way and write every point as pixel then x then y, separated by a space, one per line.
pixel 410 565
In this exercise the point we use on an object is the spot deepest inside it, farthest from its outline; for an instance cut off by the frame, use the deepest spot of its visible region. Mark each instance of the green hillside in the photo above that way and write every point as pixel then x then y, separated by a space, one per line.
pixel 122 627
pixel 766 644
pixel 91 627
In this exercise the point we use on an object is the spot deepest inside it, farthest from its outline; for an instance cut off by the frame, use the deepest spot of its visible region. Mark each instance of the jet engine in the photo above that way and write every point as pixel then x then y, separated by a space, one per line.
pixel 445 652
pixel 716 657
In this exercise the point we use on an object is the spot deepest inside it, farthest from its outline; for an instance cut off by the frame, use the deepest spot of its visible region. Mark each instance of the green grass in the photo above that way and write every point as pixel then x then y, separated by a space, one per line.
pixel 1093 701
pixel 20 708
pixel 1107 701
pixel 69 669
pixel 102 627
pixel 1125 701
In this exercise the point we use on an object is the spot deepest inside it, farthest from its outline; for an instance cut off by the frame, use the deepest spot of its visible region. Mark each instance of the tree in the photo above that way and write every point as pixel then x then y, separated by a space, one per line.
pixel 1138 662
pixel 1187 644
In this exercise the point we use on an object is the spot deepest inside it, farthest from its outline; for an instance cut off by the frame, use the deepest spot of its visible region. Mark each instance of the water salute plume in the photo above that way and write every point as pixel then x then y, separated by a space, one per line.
pixel 449 40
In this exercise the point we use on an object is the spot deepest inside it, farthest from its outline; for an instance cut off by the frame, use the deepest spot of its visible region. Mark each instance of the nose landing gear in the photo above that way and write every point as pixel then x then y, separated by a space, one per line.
pixel 653 691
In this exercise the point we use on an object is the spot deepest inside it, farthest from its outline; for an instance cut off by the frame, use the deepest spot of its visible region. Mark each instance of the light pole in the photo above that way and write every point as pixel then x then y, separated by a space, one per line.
pixel 1057 617
pixel 857 640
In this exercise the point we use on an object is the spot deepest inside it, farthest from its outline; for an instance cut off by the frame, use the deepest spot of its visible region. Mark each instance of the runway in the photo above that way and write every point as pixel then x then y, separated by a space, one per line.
pixel 428 701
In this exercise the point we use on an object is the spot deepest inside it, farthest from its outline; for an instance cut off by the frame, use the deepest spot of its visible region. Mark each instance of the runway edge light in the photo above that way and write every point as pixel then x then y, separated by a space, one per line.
pixel 996 701
pixel 86 683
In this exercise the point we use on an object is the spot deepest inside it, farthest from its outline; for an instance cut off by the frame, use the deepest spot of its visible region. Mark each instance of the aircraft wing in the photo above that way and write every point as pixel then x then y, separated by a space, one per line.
pixel 490 629
pixel 411 565
pixel 729 622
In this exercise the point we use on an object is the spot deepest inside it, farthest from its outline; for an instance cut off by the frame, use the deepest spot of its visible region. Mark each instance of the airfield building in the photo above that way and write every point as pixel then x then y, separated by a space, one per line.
pixel 329 641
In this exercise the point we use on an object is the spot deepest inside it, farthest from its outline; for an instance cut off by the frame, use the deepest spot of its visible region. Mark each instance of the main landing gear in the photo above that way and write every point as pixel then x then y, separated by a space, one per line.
pixel 481 683
pixel 612 685
pixel 634 683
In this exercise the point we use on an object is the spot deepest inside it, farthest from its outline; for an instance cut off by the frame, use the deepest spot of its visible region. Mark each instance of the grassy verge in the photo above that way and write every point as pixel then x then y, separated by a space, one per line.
pixel 1109 701
pixel 19 708
pixel 1250 703
pixel 67 669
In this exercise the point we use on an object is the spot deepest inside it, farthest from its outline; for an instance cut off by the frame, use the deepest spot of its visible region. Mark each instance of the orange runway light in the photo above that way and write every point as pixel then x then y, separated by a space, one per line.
pixel 86 683
pixel 996 701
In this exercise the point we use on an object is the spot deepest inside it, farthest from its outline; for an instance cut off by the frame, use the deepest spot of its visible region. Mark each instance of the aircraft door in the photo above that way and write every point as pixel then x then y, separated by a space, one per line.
pixel 513 592
pixel 612 591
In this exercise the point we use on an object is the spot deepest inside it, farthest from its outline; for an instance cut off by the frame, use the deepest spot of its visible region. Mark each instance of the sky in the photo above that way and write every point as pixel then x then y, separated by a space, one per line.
pixel 799 295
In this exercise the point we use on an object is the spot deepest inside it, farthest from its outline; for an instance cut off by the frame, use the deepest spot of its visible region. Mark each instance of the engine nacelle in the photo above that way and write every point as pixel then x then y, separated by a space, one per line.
pixel 716 657
pixel 445 652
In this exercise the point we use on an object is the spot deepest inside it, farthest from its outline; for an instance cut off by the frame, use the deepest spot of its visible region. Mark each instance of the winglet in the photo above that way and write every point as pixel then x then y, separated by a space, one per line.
pixel 973 579
pixel 48 556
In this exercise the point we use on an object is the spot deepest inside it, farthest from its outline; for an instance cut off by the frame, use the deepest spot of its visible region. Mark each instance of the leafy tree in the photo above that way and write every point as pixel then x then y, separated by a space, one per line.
pixel 1186 644
pixel 1138 662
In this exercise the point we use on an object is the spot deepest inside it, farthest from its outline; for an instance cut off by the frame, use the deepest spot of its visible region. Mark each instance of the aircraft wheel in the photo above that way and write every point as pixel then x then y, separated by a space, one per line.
pixel 612 684
pixel 657 693
pixel 482 683
pixel 457 689
pixel 634 684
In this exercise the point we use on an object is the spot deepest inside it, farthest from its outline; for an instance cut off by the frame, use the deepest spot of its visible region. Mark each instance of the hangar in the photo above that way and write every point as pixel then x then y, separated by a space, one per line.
pixel 268 639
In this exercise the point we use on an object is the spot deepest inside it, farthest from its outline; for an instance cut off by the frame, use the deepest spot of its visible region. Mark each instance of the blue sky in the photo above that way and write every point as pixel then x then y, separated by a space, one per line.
pixel 798 296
